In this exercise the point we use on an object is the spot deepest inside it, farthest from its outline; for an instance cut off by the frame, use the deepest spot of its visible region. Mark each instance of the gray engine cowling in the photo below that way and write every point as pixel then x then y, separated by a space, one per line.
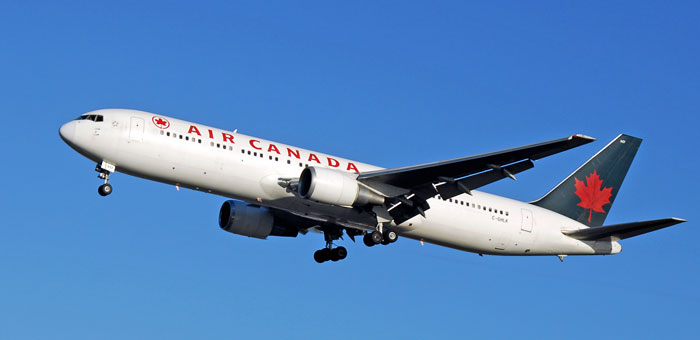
pixel 335 187
pixel 251 220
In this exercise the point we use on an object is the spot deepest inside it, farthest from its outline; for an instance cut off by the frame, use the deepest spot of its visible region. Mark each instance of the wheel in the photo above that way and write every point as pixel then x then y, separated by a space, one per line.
pixel 341 252
pixel 326 254
pixel 367 239
pixel 334 255
pixel 320 255
pixel 390 236
pixel 377 237
pixel 104 189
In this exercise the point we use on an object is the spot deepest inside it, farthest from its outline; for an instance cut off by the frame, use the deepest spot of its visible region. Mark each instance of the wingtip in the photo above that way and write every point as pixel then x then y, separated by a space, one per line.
pixel 582 136
pixel 678 220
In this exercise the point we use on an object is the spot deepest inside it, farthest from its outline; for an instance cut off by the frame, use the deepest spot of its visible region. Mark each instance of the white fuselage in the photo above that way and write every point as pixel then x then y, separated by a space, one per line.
pixel 247 168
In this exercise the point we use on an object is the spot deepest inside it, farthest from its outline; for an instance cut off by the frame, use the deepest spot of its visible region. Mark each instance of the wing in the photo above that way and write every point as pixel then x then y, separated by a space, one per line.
pixel 409 188
pixel 624 230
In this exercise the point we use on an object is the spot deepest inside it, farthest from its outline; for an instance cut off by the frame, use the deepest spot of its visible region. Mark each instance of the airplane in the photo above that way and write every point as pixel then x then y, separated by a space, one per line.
pixel 277 189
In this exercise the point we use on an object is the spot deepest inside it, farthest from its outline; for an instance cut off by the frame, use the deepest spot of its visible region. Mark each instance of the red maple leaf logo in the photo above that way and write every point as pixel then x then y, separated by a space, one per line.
pixel 160 122
pixel 591 195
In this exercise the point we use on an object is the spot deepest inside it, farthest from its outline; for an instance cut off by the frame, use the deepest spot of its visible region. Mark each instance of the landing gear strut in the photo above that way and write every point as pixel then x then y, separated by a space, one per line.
pixel 381 235
pixel 104 169
pixel 329 253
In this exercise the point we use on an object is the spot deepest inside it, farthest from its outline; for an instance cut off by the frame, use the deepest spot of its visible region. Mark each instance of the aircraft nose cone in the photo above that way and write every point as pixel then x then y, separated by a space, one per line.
pixel 67 131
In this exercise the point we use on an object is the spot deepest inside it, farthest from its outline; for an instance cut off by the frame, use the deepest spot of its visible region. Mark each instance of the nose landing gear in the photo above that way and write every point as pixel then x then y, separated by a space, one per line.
pixel 104 169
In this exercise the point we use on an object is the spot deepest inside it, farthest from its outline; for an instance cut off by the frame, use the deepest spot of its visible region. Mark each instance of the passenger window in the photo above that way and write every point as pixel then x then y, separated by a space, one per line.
pixel 199 141
pixel 276 159
pixel 230 148
pixel 255 154
pixel 187 138
pixel 168 134
pixel 180 136
pixel 162 132
pixel 289 162
pixel 211 143
pixel 249 152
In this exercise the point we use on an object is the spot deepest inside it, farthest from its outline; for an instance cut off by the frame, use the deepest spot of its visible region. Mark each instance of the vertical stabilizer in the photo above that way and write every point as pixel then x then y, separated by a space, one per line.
pixel 588 194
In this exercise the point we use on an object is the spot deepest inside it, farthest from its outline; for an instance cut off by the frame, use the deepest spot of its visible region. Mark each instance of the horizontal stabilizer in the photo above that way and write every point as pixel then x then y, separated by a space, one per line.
pixel 624 230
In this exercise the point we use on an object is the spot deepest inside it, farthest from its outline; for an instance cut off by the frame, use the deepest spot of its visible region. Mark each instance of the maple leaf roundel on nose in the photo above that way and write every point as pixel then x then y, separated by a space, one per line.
pixel 591 195
pixel 160 122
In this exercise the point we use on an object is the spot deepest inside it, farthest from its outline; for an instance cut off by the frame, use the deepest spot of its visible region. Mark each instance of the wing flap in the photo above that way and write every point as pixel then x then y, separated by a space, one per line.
pixel 624 230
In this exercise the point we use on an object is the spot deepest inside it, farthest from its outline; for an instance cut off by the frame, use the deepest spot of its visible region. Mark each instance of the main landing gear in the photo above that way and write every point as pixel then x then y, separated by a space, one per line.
pixel 104 169
pixel 329 253
pixel 380 236
pixel 332 254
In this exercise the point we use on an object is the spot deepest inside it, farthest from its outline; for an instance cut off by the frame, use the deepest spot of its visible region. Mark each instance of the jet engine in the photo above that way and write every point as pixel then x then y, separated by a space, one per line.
pixel 335 187
pixel 251 220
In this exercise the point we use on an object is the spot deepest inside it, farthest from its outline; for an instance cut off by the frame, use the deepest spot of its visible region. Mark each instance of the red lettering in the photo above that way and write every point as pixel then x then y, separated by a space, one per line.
pixel 352 167
pixel 296 154
pixel 333 162
pixel 227 137
pixel 252 143
pixel 211 134
pixel 272 147
pixel 313 157
pixel 194 129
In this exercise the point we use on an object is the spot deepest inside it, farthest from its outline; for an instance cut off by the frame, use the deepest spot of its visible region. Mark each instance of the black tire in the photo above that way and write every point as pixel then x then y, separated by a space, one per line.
pixel 318 256
pixel 104 189
pixel 390 236
pixel 341 252
pixel 377 237
pixel 367 239
pixel 334 255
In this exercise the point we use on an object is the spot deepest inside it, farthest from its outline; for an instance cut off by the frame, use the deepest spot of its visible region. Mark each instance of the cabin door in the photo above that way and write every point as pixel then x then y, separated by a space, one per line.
pixel 527 220
pixel 136 131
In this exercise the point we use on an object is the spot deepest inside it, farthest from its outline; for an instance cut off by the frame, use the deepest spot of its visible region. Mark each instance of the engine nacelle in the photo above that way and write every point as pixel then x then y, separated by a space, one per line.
pixel 251 220
pixel 335 187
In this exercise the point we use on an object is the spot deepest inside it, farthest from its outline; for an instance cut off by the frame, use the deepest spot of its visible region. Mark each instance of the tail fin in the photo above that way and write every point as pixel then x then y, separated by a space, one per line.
pixel 588 194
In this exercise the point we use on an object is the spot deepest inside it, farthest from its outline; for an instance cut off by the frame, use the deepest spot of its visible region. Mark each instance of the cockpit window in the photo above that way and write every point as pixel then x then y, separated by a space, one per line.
pixel 94 118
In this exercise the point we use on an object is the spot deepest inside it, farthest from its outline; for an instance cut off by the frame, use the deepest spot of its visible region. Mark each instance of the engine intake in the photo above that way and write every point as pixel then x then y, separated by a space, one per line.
pixel 335 187
pixel 251 220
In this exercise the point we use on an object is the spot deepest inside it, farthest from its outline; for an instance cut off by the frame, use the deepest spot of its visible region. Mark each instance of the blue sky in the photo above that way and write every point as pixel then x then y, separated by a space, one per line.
pixel 389 83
